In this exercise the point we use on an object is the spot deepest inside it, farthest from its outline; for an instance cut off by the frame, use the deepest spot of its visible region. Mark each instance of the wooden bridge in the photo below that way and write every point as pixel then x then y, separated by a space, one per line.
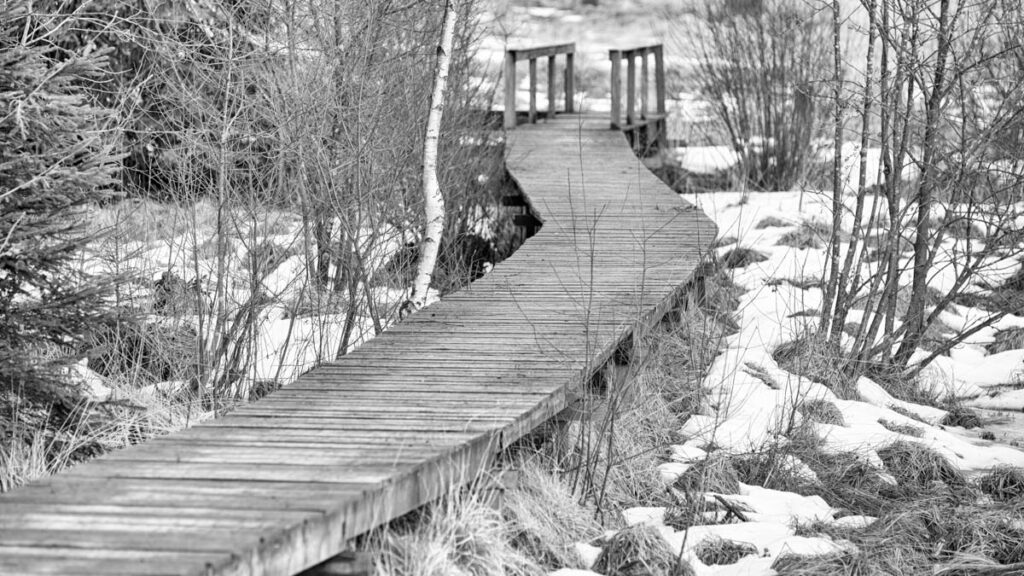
pixel 284 483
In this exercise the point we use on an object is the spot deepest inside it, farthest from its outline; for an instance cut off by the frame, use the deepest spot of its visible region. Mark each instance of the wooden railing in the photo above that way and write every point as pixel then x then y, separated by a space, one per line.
pixel 639 121
pixel 532 54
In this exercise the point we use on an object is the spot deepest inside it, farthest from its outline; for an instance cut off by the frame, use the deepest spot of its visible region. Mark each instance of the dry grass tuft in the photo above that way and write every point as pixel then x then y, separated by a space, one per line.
pixel 904 412
pixel 716 551
pixel 843 563
pixel 679 358
pixel 909 389
pixel 905 429
pixel 918 467
pixel 809 234
pixel 695 510
pixel 1004 483
pixel 640 551
pixel 460 536
pixel 1009 339
pixel 759 372
pixel 844 480
pixel 545 519
pixel 713 474
pixel 821 411
pixel 741 257
pixel 616 449
pixel 993 533
pixel 924 536
pixel 811 357
pixel 960 415
pixel 772 222
pixel 803 283
pixel 721 300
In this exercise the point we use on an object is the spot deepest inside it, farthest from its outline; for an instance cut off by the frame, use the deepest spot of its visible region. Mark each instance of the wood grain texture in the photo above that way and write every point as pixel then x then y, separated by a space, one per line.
pixel 283 483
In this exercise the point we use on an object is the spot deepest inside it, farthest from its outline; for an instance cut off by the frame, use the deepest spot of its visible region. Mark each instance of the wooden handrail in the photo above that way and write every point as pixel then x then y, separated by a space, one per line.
pixel 630 56
pixel 532 54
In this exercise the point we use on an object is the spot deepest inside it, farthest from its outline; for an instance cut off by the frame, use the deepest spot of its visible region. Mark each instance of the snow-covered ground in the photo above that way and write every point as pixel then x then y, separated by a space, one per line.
pixel 254 276
pixel 749 414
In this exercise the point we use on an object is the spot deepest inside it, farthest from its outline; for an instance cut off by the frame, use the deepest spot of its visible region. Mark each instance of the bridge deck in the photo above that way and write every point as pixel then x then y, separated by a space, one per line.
pixel 282 483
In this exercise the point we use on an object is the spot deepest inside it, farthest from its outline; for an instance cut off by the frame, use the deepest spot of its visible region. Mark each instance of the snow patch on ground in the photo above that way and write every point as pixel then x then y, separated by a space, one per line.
pixel 754 408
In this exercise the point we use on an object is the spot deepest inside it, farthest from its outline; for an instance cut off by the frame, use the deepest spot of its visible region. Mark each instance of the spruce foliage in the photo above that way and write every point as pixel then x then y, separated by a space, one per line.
pixel 56 160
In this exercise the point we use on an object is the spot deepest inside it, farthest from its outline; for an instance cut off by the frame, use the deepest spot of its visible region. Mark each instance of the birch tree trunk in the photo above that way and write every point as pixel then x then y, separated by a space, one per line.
pixel 433 199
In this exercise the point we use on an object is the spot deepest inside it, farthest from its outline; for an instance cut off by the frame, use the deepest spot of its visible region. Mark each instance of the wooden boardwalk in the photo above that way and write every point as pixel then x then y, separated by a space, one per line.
pixel 281 484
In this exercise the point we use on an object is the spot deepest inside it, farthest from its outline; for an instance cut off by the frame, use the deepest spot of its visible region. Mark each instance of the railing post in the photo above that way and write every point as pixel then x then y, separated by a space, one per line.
pixel 659 96
pixel 551 87
pixel 659 78
pixel 533 90
pixel 643 85
pixel 570 81
pixel 616 92
pixel 630 88
pixel 510 89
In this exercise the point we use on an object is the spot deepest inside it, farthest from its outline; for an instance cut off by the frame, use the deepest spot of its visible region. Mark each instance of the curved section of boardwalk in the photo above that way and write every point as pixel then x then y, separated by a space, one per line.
pixel 283 483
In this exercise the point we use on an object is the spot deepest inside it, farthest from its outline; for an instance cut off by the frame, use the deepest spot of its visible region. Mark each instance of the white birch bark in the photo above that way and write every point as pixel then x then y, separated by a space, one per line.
pixel 433 199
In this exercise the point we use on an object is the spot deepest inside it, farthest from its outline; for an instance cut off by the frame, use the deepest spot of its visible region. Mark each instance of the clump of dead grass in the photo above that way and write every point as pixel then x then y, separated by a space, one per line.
pixel 742 257
pixel 772 222
pixel 618 445
pixel 679 357
pixel 922 536
pixel 896 383
pixel 545 519
pixel 846 563
pixel 845 480
pixel 809 234
pixel 716 551
pixel 460 535
pixel 1004 483
pixel 916 466
pixel 721 299
pixel 693 509
pixel 801 283
pixel 1009 339
pixel 905 429
pixel 812 357
pixel 906 413
pixel 959 415
pixel 712 474
pixel 994 533
pixel 823 411
pixel 640 551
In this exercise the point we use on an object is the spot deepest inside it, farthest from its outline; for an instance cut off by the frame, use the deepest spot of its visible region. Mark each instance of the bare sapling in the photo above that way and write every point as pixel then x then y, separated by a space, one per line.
pixel 943 109
pixel 837 163
pixel 432 197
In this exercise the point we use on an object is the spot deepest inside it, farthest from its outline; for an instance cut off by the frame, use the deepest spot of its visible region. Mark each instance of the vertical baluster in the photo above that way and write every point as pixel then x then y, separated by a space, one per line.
pixel 510 89
pixel 533 90
pixel 630 87
pixel 659 95
pixel 551 87
pixel 643 84
pixel 616 90
pixel 570 81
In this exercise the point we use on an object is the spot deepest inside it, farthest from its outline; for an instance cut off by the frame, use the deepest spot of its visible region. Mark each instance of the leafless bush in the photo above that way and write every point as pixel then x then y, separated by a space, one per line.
pixel 760 66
